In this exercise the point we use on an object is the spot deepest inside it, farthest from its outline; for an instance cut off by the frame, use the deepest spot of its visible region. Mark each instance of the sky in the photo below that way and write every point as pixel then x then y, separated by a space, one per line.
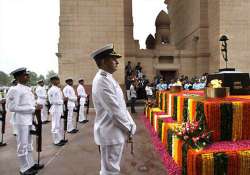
pixel 29 31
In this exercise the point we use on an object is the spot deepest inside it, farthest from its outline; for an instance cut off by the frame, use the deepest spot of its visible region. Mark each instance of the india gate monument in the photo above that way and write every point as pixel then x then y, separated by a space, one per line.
pixel 186 41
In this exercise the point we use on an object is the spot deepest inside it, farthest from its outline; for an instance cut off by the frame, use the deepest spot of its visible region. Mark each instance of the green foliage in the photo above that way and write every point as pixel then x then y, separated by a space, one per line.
pixel 175 108
pixel 49 74
pixel 4 79
pixel 220 163
pixel 226 110
pixel 33 78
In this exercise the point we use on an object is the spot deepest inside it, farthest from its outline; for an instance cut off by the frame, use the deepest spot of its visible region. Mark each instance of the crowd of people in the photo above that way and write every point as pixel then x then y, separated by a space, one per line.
pixel 195 83
pixel 139 87
pixel 135 82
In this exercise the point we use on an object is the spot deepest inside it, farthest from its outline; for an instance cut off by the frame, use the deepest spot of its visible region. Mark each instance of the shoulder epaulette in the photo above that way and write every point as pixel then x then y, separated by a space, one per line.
pixel 104 74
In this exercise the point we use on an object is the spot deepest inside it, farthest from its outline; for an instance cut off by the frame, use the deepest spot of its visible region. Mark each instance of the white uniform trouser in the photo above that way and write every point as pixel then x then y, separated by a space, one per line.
pixel 128 94
pixel 110 159
pixel 14 130
pixel 82 116
pixel 70 119
pixel 24 147
pixel 44 113
pixel 56 129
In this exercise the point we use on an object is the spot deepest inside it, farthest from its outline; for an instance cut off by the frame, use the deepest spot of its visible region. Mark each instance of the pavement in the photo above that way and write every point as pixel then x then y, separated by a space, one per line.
pixel 80 156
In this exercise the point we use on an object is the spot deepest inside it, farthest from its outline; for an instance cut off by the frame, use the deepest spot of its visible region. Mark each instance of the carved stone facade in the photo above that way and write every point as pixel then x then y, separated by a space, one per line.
pixel 198 24
pixel 86 25
pixel 186 40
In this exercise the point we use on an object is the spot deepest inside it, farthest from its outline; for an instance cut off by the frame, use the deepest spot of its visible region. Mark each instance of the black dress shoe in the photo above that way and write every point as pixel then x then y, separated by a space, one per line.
pixel 64 141
pixel 29 172
pixel 59 144
pixel 37 167
pixel 45 122
pixel 85 121
pixel 73 131
pixel 33 132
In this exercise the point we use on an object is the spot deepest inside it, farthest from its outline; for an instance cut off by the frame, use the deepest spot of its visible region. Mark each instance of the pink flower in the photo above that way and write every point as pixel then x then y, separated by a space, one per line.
pixel 188 125
pixel 196 125
pixel 186 137
pixel 203 135
pixel 196 139
pixel 184 131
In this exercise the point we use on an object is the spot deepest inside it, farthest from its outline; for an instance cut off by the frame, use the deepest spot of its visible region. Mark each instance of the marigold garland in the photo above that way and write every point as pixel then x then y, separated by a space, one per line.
pixel 246 121
pixel 237 120
pixel 213 118
pixel 244 157
pixel 207 164
pixel 225 117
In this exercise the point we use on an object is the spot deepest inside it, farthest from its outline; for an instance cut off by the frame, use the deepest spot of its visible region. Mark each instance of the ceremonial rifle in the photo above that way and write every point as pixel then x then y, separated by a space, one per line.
pixel 38 133
pixel 3 119
pixel 130 140
pixel 65 118
pixel 48 105
pixel 77 110
pixel 87 105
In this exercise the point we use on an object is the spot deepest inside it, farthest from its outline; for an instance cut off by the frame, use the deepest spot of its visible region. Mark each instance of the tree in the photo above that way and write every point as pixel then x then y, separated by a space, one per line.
pixel 49 74
pixel 33 78
pixel 41 77
pixel 4 79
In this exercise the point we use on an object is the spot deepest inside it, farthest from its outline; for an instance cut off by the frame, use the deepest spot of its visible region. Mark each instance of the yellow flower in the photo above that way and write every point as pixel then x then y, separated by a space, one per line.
pixel 216 83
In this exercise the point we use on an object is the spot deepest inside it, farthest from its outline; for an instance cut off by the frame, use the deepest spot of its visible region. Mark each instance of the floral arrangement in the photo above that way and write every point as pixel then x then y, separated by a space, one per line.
pixel 216 83
pixel 178 83
pixel 193 134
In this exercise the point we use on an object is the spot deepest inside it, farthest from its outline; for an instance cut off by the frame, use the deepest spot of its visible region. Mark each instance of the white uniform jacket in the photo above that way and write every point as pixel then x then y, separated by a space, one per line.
pixel 10 93
pixel 132 91
pixel 21 101
pixel 69 92
pixel 113 122
pixel 41 95
pixel 56 100
pixel 82 94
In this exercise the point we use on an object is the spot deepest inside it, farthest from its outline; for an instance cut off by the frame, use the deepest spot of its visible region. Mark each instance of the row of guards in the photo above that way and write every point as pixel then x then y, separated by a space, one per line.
pixel 37 122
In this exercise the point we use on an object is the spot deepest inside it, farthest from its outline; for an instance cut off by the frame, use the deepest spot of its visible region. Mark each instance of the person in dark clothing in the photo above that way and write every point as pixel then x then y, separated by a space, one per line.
pixel 128 69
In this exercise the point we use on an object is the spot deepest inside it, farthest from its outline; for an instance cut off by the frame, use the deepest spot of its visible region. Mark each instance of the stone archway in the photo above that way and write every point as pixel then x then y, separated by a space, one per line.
pixel 168 75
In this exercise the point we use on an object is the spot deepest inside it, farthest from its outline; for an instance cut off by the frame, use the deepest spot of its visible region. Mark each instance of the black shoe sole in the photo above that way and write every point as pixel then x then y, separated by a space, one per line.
pixel 37 167
pixel 64 141
pixel 59 144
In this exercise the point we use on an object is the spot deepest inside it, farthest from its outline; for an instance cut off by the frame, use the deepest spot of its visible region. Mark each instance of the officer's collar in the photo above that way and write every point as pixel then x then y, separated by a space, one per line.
pixel 22 85
pixel 103 72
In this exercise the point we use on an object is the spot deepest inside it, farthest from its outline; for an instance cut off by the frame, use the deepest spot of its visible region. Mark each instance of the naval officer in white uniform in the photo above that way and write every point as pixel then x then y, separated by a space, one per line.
pixel 113 123
pixel 69 94
pixel 42 99
pixel 56 100
pixel 21 101
pixel 82 95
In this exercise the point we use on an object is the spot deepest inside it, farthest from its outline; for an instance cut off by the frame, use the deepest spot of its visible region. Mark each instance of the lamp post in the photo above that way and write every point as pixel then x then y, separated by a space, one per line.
pixel 223 40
